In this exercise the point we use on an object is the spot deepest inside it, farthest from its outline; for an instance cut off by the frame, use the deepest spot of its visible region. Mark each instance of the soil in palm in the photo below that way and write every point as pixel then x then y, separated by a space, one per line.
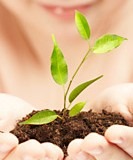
pixel 62 132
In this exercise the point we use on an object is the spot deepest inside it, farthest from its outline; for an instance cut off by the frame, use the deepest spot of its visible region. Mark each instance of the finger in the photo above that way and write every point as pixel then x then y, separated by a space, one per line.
pixel 124 111
pixel 52 151
pixel 122 136
pixel 29 150
pixel 75 151
pixel 11 109
pixel 7 143
pixel 115 98
pixel 68 158
pixel 74 146
pixel 101 149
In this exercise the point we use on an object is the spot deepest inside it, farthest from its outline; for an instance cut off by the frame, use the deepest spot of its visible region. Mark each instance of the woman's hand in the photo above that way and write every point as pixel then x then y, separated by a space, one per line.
pixel 11 110
pixel 95 147
pixel 33 150
pixel 118 140
pixel 118 98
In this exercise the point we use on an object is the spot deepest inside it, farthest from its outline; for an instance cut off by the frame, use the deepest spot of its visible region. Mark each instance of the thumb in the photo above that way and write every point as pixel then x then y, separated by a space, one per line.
pixel 11 109
pixel 124 111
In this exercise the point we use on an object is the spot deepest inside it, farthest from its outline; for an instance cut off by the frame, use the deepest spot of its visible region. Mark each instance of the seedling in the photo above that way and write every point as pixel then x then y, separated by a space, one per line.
pixel 59 71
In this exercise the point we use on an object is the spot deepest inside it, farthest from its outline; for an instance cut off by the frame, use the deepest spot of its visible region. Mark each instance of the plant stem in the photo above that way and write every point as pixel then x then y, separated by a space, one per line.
pixel 75 73
pixel 64 97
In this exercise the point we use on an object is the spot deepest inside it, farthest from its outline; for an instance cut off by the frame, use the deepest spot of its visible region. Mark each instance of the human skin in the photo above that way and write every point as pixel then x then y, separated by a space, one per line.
pixel 27 46
pixel 12 109
pixel 119 99
pixel 92 147
pixel 25 39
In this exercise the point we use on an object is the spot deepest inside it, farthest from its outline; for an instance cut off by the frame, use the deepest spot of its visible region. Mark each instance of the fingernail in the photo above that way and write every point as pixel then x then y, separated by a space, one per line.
pixel 28 158
pixel 4 148
pixel 81 156
pixel 96 151
pixel 46 158
pixel 117 141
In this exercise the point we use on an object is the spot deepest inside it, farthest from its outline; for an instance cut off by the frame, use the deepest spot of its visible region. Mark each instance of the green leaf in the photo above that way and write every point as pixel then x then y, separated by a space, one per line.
pixel 107 43
pixel 42 117
pixel 82 25
pixel 76 109
pixel 80 88
pixel 59 69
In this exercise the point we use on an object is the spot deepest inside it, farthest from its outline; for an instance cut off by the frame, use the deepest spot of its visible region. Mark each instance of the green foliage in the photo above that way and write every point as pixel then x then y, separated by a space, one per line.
pixel 107 43
pixel 76 109
pixel 42 117
pixel 82 25
pixel 80 88
pixel 59 70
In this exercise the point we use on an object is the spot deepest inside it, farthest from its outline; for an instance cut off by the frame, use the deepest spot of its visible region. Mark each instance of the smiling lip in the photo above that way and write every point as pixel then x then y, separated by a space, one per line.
pixel 64 12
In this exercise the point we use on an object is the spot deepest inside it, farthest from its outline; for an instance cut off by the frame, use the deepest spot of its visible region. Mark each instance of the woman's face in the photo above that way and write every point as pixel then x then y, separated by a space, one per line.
pixel 59 8
pixel 53 15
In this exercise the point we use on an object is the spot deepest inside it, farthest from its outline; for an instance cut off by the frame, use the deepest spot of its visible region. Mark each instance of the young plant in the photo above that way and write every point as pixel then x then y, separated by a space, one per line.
pixel 59 70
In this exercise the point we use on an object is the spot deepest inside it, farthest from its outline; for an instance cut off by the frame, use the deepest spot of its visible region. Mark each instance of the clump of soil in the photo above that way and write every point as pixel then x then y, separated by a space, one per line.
pixel 62 132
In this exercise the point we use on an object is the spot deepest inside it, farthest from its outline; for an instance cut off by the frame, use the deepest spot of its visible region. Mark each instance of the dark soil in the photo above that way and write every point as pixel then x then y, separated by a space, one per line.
pixel 62 132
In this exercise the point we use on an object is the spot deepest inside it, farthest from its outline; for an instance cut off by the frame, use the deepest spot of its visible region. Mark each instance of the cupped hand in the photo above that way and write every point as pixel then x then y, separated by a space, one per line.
pixel 11 110
pixel 95 147
pixel 118 98
pixel 33 150
pixel 118 140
